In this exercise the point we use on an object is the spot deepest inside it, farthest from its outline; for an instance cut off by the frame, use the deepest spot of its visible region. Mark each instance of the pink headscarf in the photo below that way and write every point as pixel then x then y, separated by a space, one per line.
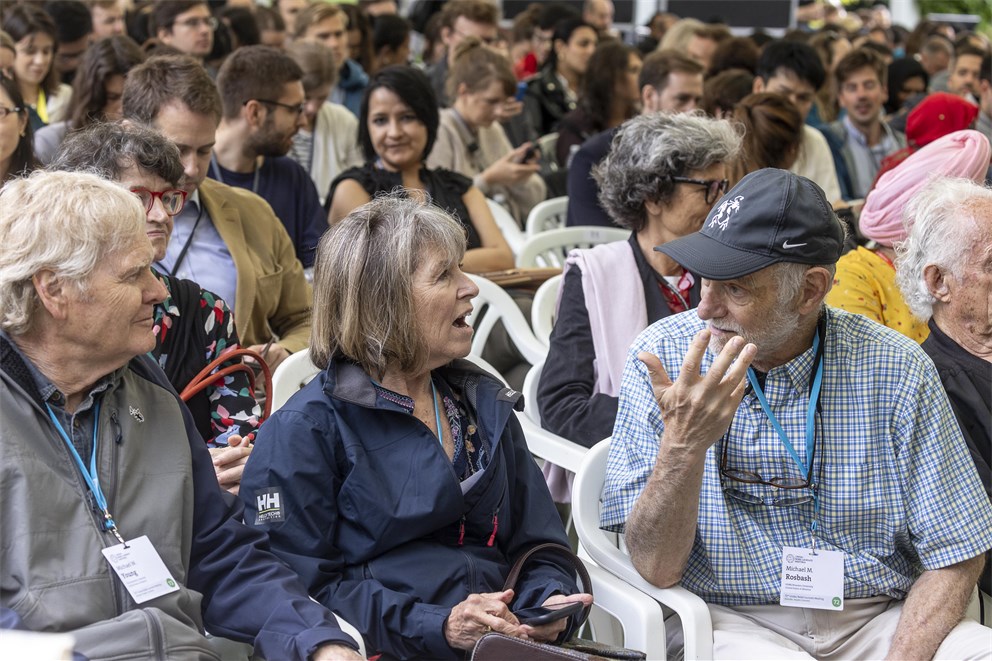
pixel 959 154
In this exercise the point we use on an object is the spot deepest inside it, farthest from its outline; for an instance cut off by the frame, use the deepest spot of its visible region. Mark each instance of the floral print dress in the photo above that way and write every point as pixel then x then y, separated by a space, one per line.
pixel 193 327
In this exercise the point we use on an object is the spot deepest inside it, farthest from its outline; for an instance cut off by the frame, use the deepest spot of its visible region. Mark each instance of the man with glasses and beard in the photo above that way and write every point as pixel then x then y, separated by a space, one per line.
pixel 262 96
pixel 797 467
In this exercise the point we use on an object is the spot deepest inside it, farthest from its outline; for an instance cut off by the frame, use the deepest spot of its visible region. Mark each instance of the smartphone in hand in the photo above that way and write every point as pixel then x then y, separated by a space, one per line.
pixel 539 615
pixel 528 155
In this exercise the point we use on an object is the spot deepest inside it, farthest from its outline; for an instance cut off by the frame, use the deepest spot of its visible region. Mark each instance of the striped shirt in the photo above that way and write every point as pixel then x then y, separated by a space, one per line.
pixel 898 491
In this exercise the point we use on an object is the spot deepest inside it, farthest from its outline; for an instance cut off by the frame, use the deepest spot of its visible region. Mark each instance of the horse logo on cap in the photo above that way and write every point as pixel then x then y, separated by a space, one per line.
pixel 728 207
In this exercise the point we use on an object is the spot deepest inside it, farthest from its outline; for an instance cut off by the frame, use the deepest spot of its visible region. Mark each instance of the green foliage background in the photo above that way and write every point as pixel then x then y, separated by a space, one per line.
pixel 982 8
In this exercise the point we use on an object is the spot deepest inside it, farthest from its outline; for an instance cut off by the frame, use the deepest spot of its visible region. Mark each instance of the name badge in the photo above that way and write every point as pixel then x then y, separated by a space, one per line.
pixel 141 569
pixel 812 580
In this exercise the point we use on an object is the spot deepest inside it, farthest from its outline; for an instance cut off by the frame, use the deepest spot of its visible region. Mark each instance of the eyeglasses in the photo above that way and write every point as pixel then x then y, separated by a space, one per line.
pixel 197 21
pixel 714 187
pixel 750 477
pixel 173 200
pixel 4 111
pixel 296 110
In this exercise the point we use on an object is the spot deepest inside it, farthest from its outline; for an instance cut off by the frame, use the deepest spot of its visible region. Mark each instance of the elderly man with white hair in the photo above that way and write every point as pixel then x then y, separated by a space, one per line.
pixel 114 527
pixel 944 269
pixel 796 466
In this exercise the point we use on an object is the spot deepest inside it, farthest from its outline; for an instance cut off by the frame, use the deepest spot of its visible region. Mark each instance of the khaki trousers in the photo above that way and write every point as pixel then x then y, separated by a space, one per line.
pixel 863 630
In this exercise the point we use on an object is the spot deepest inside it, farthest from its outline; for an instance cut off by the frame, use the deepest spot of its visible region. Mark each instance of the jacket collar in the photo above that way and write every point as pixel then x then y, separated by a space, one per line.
pixel 348 382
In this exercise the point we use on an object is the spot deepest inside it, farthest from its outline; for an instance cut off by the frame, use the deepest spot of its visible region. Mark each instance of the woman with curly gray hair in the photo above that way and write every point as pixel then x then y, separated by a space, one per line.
pixel 660 179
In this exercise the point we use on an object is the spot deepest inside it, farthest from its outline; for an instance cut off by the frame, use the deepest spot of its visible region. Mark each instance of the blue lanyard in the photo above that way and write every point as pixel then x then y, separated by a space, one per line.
pixel 91 476
pixel 814 396
pixel 437 415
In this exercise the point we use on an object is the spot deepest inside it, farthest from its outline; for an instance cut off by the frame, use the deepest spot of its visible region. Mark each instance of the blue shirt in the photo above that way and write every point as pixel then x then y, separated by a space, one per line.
pixel 897 488
pixel 290 192
pixel 208 262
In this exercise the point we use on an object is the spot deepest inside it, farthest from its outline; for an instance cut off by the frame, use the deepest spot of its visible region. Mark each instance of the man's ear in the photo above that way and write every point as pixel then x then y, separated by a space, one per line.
pixel 254 113
pixel 446 36
pixel 816 283
pixel 758 86
pixel 164 35
pixel 649 98
pixel 52 291
pixel 936 280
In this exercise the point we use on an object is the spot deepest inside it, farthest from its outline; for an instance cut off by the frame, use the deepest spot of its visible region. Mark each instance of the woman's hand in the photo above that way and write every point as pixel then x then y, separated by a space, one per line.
pixel 229 463
pixel 478 615
pixel 549 632
pixel 508 171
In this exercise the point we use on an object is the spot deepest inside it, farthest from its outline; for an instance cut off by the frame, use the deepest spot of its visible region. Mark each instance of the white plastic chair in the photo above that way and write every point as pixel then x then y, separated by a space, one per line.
pixel 542 311
pixel 547 215
pixel 508 226
pixel 548 144
pixel 550 248
pixel 494 304
pixel 545 444
pixel 479 362
pixel 291 375
pixel 602 549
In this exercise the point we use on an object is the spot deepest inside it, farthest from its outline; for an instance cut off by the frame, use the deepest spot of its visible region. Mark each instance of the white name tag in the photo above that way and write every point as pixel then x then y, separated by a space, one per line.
pixel 141 569
pixel 812 580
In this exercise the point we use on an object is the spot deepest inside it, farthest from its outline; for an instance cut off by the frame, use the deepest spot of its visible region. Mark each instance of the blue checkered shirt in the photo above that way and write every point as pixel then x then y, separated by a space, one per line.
pixel 898 490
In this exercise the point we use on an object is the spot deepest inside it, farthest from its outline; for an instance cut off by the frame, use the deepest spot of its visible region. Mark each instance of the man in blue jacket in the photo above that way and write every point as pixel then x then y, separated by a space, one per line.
pixel 115 529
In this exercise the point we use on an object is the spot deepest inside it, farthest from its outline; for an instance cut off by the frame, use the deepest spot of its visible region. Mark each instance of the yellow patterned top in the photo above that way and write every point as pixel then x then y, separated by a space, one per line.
pixel 866 284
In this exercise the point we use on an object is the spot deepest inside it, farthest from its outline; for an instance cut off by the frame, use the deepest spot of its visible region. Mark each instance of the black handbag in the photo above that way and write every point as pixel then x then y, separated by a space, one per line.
pixel 500 647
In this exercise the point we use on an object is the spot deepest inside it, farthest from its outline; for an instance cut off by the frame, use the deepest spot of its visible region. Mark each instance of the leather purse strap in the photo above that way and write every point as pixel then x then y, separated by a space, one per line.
pixel 205 377
pixel 563 552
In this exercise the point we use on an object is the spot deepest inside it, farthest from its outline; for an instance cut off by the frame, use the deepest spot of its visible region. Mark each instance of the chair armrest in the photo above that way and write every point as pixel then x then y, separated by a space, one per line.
pixel 551 447
pixel 697 626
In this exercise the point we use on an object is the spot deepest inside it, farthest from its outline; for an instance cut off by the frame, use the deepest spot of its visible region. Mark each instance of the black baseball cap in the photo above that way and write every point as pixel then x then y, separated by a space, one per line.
pixel 770 216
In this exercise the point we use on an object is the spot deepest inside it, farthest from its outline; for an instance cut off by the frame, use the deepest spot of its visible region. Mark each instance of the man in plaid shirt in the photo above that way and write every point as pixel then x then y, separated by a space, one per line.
pixel 796 466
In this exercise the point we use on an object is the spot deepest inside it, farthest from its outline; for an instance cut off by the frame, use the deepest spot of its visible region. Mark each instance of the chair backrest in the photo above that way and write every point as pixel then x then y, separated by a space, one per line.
pixel 531 382
pixel 479 362
pixel 547 215
pixel 550 248
pixel 548 144
pixel 291 375
pixel 542 311
pixel 508 225
pixel 586 492
pixel 494 304
pixel 603 548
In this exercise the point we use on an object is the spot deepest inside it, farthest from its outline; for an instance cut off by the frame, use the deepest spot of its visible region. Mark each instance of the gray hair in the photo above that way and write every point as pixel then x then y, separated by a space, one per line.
pixel 109 149
pixel 789 277
pixel 650 149
pixel 939 233
pixel 363 307
pixel 62 222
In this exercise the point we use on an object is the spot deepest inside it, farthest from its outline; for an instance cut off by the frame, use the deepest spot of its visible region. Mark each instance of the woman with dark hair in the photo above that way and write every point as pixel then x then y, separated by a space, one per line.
pixel 471 142
pixel 773 130
pixel 397 128
pixel 610 96
pixel 390 41
pixel 405 481
pixel 553 92
pixel 35 44
pixel 96 91
pixel 16 156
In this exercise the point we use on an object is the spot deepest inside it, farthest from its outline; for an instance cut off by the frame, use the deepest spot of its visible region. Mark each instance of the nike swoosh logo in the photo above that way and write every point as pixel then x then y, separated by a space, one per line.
pixel 787 245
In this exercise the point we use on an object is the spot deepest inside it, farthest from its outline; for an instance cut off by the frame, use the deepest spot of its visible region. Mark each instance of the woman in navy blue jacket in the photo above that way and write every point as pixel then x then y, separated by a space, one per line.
pixel 398 483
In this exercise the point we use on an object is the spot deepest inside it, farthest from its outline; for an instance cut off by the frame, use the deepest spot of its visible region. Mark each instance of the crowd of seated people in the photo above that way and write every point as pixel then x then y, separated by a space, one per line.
pixel 809 222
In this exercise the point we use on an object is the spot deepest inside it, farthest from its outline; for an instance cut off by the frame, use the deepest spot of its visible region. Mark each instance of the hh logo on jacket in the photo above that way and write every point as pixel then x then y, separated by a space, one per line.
pixel 268 505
